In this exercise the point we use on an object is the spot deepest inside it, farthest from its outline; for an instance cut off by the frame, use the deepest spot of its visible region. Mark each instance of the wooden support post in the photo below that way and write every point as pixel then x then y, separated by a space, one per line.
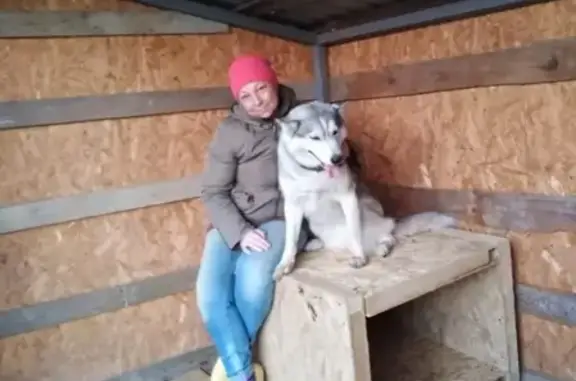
pixel 321 74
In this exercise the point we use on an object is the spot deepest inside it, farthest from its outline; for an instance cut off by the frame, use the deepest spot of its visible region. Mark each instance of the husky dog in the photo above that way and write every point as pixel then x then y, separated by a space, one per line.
pixel 317 184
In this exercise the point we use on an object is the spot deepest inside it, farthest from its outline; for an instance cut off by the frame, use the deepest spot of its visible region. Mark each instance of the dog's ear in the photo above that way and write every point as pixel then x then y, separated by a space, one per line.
pixel 291 126
pixel 338 106
pixel 338 115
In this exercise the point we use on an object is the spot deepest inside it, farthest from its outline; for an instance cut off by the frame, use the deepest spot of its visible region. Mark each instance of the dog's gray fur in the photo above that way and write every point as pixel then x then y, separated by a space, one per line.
pixel 341 213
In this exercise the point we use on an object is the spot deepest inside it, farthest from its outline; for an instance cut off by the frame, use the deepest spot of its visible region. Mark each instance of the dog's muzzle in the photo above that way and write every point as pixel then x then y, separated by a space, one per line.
pixel 336 161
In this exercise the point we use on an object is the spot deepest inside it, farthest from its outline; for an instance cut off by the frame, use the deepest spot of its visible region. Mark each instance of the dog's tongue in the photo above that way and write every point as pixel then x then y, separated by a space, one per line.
pixel 332 170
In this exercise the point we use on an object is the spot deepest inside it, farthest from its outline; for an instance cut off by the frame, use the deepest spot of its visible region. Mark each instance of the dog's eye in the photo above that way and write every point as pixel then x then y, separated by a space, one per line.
pixel 314 137
pixel 335 132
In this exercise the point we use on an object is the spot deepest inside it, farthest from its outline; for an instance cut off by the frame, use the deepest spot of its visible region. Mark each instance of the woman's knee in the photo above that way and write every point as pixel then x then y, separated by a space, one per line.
pixel 256 290
pixel 276 234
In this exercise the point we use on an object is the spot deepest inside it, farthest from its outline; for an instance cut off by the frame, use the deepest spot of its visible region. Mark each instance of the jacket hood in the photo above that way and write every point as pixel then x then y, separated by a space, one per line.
pixel 286 101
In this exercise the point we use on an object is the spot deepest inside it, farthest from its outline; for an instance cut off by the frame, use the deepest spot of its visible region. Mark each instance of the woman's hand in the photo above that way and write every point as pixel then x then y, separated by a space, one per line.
pixel 254 240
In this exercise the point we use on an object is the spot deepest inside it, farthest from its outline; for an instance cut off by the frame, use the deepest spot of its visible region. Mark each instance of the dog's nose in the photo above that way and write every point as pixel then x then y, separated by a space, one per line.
pixel 336 159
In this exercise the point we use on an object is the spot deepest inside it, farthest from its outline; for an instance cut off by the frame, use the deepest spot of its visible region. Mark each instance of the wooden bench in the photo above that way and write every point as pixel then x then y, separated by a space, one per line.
pixel 440 308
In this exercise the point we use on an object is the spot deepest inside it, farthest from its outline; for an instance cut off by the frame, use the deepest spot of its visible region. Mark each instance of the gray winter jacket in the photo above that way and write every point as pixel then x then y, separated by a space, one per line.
pixel 239 183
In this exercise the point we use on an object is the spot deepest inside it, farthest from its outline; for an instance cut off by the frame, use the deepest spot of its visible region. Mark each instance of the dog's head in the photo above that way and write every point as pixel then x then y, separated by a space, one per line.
pixel 314 133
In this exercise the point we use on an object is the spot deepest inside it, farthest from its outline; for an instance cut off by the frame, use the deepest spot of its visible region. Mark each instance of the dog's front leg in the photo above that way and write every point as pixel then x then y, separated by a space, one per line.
pixel 293 215
pixel 351 209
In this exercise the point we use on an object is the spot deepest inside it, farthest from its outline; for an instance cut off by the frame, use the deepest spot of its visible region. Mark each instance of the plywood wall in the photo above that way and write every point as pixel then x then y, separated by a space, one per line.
pixel 48 263
pixel 495 139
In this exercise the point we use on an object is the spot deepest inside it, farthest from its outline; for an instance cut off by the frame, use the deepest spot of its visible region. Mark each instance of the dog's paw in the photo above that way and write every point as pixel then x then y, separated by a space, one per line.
pixel 314 244
pixel 283 268
pixel 385 246
pixel 357 261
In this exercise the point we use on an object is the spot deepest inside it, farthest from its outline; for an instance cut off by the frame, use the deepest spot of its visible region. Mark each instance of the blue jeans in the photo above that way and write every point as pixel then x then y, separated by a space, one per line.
pixel 234 292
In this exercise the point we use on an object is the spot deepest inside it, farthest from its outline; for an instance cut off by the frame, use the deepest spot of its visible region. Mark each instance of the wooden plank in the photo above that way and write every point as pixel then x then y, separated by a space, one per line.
pixel 195 375
pixel 321 80
pixel 20 320
pixel 510 211
pixel 400 200
pixel 19 24
pixel 172 368
pixel 532 375
pixel 44 112
pixel 64 209
pixel 525 212
pixel 546 61
pixel 547 304
pixel 501 210
pixel 541 62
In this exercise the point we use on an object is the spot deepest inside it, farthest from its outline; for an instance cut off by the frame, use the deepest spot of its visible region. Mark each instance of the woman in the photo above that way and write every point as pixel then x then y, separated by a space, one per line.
pixel 244 205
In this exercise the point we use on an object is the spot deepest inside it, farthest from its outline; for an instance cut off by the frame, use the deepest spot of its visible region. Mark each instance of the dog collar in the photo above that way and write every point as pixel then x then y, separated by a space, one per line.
pixel 318 168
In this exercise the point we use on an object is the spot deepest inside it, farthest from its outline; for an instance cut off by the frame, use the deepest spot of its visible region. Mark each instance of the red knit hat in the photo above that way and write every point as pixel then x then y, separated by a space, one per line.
pixel 249 68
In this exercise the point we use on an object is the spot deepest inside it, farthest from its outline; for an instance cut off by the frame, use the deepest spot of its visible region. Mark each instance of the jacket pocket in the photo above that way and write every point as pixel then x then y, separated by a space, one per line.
pixel 243 200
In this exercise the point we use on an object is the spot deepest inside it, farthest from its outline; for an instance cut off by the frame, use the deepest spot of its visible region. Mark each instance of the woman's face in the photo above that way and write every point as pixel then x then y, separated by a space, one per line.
pixel 259 99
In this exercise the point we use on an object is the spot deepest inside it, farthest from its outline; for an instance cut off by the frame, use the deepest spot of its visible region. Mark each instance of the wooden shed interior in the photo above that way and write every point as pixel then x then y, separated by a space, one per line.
pixel 467 107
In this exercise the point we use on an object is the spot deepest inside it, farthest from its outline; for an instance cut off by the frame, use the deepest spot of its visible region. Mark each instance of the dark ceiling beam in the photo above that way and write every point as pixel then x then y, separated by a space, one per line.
pixel 434 14
pixel 236 19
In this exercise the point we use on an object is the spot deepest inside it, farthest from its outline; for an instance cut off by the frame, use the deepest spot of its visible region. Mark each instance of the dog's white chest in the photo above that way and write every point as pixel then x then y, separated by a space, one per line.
pixel 312 202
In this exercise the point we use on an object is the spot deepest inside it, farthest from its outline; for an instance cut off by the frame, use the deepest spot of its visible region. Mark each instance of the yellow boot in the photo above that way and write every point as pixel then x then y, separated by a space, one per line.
pixel 258 372
pixel 219 373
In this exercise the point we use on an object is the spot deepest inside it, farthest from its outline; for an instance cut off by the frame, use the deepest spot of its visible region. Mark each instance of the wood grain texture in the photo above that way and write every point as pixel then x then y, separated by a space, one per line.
pixel 20 24
pixel 59 261
pixel 44 112
pixel 418 266
pixel 541 62
pixel 64 209
pixel 547 304
pixel 512 211
pixel 184 367
pixel 501 210
pixel 47 314
pixel 106 345
pixel 548 348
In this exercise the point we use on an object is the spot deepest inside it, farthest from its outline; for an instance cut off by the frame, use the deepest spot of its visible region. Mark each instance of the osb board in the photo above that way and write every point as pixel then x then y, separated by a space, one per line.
pixel 474 35
pixel 103 346
pixel 548 347
pixel 103 65
pixel 55 161
pixel 500 138
pixel 120 152
pixel 64 260
pixel 540 259
pixel 546 260
pixel 494 139
pixel 65 67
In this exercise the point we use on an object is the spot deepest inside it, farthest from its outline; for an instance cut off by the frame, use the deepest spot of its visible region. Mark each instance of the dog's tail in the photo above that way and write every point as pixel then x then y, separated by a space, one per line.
pixel 423 222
